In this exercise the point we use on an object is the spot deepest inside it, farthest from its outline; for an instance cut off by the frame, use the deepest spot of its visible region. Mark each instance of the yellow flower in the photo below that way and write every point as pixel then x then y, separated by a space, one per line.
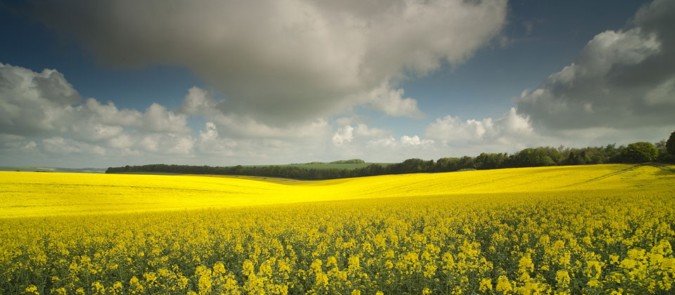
pixel 593 269
pixel 321 279
pixel 150 277
pixel 593 283
pixel 135 285
pixel 117 286
pixel 628 263
pixel 98 287
pixel 219 268
pixel 32 289
pixel 354 263
pixel 247 268
pixel 562 277
pixel 316 266
pixel 503 285
pixel 485 285
pixel 525 264
pixel 204 284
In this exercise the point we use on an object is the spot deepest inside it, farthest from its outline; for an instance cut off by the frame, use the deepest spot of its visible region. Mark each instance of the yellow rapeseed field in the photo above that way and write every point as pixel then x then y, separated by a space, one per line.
pixel 556 230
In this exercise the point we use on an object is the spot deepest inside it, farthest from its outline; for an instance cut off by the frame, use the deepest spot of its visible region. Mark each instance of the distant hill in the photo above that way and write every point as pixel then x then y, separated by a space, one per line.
pixel 52 169
pixel 634 153
pixel 352 161
pixel 341 164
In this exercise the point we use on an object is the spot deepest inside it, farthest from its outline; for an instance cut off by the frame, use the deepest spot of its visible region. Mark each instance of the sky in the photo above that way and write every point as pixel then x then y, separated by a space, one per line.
pixel 111 83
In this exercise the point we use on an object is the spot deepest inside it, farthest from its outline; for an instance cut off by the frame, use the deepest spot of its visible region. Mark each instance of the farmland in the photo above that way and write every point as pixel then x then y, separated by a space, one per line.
pixel 582 229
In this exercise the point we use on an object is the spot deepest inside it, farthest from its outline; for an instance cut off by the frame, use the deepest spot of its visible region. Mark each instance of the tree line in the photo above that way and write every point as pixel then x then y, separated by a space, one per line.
pixel 638 152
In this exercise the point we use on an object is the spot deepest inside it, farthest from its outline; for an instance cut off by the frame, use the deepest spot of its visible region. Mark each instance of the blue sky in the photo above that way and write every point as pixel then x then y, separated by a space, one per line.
pixel 235 92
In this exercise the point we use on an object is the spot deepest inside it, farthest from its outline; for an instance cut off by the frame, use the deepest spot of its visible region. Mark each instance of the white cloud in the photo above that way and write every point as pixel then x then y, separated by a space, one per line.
pixel 507 132
pixel 122 141
pixel 388 148
pixel 350 131
pixel 415 140
pixel 60 145
pixel 210 141
pixel 391 102
pixel 621 79
pixel 181 145
pixel 109 114
pixel 400 145
pixel 210 133
pixel 34 102
pixel 158 119
pixel 343 135
pixel 354 139
pixel 198 102
pixel 453 129
pixel 364 131
pixel 387 142
pixel 287 61
pixel 43 113
pixel 515 124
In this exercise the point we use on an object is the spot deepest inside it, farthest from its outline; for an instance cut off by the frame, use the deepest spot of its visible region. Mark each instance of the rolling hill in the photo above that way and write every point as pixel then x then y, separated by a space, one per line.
pixel 27 194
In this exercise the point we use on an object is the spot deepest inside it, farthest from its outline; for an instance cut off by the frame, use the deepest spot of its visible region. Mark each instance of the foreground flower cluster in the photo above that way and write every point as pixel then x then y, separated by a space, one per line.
pixel 588 242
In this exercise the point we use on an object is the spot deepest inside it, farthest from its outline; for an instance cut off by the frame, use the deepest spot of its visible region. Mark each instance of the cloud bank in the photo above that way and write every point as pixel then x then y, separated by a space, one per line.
pixel 44 121
pixel 622 79
pixel 44 110
pixel 286 61
pixel 289 70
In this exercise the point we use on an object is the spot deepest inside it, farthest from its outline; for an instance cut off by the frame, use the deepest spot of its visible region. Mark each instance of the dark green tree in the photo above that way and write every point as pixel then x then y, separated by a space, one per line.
pixel 639 152
pixel 533 157
pixel 670 144
pixel 446 164
pixel 490 160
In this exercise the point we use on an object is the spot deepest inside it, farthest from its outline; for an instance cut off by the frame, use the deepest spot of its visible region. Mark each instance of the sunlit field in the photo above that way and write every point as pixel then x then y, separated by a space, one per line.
pixel 567 230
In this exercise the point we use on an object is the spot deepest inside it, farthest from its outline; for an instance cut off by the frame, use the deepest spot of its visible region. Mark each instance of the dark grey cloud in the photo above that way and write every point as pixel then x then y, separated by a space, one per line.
pixel 622 79
pixel 658 19
pixel 290 60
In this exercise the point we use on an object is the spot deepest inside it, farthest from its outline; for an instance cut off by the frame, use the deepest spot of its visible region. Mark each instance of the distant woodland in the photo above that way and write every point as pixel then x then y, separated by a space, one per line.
pixel 638 152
